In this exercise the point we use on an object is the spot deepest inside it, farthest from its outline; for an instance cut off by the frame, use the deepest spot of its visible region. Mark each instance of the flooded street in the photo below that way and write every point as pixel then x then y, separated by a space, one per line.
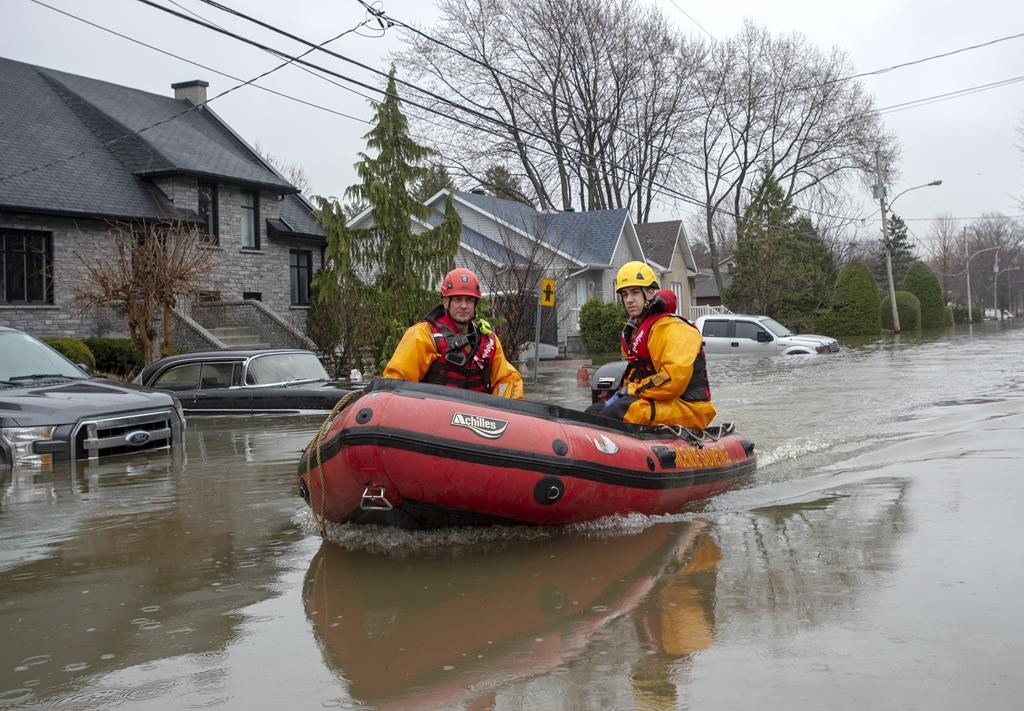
pixel 873 561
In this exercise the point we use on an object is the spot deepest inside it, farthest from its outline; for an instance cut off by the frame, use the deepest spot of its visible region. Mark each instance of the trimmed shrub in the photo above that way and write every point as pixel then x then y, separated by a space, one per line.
pixel 601 326
pixel 909 308
pixel 855 302
pixel 922 283
pixel 73 349
pixel 116 356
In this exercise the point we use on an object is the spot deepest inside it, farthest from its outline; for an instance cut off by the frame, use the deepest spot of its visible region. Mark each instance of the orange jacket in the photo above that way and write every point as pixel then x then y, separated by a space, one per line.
pixel 416 351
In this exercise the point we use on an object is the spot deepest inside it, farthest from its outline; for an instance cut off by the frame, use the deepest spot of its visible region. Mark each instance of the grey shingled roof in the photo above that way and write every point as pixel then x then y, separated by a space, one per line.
pixel 588 237
pixel 496 252
pixel 659 240
pixel 71 144
pixel 297 218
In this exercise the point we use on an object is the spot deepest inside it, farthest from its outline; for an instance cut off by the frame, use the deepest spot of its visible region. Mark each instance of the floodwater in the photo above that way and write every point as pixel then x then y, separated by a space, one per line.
pixel 873 561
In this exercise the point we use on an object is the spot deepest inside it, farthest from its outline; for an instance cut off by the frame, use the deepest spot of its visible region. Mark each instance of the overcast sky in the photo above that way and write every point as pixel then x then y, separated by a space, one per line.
pixel 970 142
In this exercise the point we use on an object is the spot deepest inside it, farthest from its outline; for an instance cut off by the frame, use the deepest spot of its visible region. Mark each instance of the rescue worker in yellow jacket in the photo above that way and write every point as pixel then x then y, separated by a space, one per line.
pixel 666 379
pixel 451 347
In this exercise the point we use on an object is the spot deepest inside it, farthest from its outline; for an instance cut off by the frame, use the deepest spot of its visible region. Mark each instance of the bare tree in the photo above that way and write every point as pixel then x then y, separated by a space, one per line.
pixel 587 97
pixel 946 253
pixel 525 253
pixel 781 104
pixel 146 269
pixel 292 172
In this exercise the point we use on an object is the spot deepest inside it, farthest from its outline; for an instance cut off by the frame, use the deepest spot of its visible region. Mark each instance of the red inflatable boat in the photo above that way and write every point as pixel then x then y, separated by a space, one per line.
pixel 423 456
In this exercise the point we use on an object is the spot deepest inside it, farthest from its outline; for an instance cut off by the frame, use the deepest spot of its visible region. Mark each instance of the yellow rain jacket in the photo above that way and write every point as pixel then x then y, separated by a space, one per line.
pixel 416 351
pixel 673 346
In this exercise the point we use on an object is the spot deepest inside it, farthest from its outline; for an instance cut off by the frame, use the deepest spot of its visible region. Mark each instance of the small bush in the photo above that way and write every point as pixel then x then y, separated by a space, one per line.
pixel 854 309
pixel 960 314
pixel 909 308
pixel 116 356
pixel 922 283
pixel 601 326
pixel 73 349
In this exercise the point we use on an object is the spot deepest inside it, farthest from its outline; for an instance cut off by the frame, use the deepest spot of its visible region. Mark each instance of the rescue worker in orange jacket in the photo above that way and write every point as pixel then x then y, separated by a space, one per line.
pixel 451 347
pixel 666 379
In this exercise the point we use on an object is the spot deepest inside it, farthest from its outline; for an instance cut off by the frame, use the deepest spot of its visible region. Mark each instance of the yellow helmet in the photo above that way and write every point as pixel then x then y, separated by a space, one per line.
pixel 635 274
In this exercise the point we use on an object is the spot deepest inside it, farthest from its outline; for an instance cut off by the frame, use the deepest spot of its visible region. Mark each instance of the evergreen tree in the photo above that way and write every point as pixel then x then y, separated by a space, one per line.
pixel 903 254
pixel 922 283
pixel 398 267
pixel 783 268
pixel 503 184
pixel 435 179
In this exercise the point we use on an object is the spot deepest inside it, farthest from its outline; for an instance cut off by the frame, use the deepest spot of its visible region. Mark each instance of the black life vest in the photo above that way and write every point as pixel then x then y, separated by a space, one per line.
pixel 464 359
pixel 638 355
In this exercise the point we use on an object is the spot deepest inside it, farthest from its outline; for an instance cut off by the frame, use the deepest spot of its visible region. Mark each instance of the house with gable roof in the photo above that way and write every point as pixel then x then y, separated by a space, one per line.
pixel 665 244
pixel 79 154
pixel 581 251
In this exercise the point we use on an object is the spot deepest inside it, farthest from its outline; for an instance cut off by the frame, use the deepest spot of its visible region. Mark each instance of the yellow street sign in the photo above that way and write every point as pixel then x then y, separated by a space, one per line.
pixel 547 292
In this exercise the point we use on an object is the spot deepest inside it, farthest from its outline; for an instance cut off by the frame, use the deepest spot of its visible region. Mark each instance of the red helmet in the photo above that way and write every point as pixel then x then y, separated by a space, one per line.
pixel 460 282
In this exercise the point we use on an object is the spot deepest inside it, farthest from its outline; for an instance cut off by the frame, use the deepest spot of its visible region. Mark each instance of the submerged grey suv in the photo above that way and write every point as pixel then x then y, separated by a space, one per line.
pixel 51 410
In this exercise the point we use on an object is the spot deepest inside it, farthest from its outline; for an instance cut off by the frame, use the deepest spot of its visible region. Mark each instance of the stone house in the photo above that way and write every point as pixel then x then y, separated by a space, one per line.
pixel 78 155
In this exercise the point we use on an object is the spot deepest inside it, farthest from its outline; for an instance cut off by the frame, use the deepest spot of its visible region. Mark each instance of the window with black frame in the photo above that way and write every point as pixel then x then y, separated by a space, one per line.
pixel 208 210
pixel 300 263
pixel 26 267
pixel 250 220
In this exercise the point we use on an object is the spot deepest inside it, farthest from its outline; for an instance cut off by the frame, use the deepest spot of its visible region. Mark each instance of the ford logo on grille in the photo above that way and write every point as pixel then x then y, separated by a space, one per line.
pixel 137 438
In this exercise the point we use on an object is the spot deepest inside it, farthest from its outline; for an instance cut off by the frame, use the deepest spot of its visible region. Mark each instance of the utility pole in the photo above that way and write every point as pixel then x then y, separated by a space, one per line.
pixel 879 192
pixel 967 254
pixel 996 313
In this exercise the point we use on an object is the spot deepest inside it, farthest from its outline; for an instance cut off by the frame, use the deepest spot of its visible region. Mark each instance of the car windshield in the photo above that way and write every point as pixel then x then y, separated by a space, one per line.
pixel 775 327
pixel 284 368
pixel 24 359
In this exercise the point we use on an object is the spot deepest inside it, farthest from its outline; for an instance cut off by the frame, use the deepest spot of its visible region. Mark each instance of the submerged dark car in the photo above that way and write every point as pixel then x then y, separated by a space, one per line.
pixel 244 382
pixel 51 410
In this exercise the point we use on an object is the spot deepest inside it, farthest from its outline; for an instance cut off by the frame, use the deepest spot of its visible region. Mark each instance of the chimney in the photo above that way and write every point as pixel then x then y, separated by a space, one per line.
pixel 193 91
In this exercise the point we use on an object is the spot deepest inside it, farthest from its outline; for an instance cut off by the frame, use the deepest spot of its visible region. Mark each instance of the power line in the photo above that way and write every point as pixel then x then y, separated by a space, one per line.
pixel 170 118
pixel 880 111
pixel 207 67
pixel 690 18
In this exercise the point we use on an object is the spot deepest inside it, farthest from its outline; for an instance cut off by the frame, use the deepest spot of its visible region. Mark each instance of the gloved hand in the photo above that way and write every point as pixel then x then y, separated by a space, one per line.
pixel 618 393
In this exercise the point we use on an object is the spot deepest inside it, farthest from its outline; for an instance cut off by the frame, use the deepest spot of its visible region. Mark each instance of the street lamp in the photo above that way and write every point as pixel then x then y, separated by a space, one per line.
pixel 995 286
pixel 879 192
pixel 970 308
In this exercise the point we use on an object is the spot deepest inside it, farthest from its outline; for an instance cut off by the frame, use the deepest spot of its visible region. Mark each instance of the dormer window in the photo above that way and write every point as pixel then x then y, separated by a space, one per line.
pixel 208 216
pixel 250 220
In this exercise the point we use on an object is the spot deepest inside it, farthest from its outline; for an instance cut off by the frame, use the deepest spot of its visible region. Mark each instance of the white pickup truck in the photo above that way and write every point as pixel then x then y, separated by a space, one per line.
pixel 758 335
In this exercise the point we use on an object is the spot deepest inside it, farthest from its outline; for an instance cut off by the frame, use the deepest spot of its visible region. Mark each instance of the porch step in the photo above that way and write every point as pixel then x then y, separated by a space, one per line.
pixel 238 337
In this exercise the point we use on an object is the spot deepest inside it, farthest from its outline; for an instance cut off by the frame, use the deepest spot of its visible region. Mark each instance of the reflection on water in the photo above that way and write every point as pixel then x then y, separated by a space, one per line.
pixel 873 556
pixel 479 619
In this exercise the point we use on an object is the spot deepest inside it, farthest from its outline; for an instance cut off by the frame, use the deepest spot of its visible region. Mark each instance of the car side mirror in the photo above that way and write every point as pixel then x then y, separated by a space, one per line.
pixel 86 368
pixel 764 337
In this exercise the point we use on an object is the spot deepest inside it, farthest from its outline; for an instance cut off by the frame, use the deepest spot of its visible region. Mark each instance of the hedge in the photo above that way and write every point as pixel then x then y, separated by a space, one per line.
pixel 909 308
pixel 601 326
pixel 73 349
pixel 116 356
pixel 922 283
pixel 855 302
